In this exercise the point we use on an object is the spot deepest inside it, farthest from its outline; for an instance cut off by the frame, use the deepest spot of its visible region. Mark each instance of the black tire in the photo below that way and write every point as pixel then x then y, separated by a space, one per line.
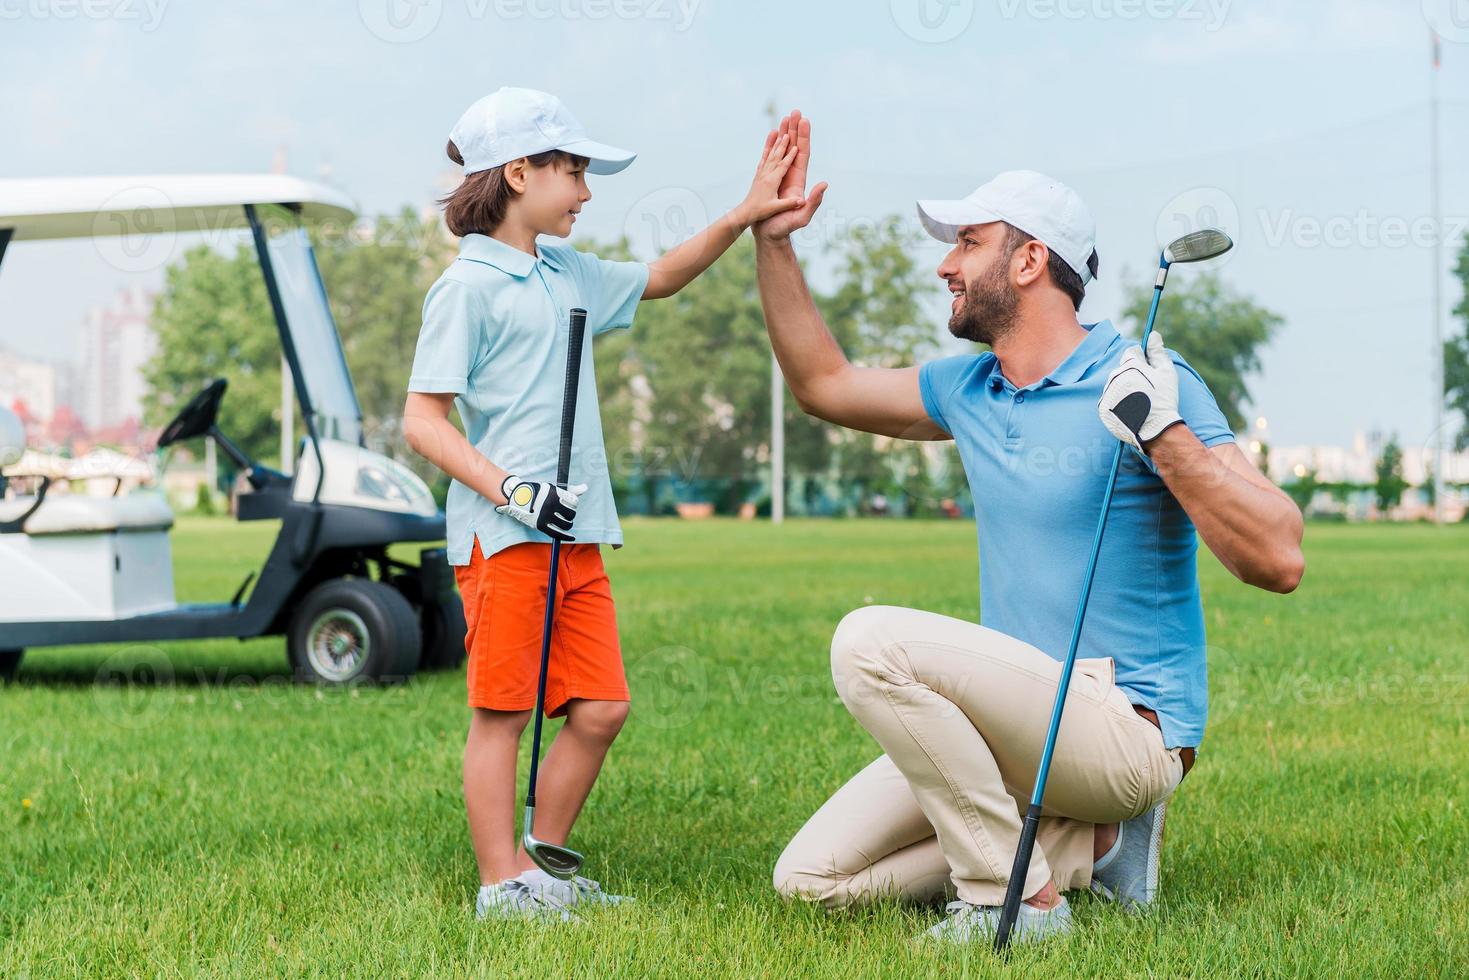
pixel 367 624
pixel 10 663
pixel 443 629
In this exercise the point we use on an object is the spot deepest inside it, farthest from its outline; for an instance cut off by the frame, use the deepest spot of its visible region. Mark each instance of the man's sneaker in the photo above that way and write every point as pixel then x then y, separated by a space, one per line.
pixel 1128 874
pixel 514 899
pixel 977 923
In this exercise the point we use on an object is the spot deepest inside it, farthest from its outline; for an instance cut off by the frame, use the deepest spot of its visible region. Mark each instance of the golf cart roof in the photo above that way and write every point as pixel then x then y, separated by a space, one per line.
pixel 79 207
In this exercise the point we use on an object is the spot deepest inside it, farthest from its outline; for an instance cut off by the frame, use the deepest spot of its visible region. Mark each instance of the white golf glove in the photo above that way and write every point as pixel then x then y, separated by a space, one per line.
pixel 540 506
pixel 1140 399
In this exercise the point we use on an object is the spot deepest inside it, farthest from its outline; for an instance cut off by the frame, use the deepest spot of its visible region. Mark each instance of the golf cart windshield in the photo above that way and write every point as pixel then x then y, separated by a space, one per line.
pixel 311 331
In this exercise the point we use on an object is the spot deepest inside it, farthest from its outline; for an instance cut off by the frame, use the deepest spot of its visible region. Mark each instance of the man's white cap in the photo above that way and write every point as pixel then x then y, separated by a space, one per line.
pixel 511 123
pixel 1040 206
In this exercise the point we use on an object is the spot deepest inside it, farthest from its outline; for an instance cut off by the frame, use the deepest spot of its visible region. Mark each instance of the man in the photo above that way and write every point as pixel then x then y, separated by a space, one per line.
pixel 960 709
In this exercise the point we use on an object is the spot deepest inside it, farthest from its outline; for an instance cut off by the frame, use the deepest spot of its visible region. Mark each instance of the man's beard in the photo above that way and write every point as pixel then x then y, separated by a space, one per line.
pixel 988 310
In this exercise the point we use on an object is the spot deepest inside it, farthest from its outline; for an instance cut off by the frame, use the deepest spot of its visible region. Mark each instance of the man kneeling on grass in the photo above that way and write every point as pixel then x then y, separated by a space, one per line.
pixel 960 709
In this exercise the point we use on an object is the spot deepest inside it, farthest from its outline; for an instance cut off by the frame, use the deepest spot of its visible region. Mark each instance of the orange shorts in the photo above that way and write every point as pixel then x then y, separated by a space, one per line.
pixel 505 608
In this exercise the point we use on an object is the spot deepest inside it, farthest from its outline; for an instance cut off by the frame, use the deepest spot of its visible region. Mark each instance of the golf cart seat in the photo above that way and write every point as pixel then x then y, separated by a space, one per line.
pixel 80 514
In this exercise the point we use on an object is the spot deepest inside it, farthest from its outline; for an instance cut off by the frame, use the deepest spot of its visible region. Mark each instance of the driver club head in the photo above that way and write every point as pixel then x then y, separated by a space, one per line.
pixel 555 860
pixel 1197 246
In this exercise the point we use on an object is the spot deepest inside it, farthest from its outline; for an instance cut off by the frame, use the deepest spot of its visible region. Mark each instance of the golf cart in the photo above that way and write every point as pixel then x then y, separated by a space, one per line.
pixel 79 569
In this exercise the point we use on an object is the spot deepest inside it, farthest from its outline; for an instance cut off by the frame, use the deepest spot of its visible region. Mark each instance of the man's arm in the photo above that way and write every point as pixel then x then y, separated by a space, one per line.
pixel 1249 523
pixel 825 383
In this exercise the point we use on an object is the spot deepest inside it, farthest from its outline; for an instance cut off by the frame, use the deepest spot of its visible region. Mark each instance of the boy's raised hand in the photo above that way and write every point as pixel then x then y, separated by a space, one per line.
pixel 783 223
pixel 765 198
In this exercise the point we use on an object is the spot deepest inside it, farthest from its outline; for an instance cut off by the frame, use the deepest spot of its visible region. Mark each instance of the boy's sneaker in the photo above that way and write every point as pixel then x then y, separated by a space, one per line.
pixel 514 899
pixel 977 923
pixel 1128 873
pixel 575 891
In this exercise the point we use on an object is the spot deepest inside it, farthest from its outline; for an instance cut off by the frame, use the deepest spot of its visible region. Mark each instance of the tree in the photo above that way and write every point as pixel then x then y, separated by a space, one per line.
pixel 1303 488
pixel 874 314
pixel 1218 330
pixel 376 284
pixel 1456 355
pixel 212 320
pixel 1390 483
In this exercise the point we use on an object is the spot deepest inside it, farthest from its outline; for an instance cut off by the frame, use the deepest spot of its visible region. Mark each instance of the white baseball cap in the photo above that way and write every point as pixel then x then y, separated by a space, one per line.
pixel 1040 206
pixel 511 123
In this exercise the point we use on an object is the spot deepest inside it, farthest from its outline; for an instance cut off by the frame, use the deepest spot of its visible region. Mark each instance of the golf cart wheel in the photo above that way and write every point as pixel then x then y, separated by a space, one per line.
pixel 10 662
pixel 443 635
pixel 353 629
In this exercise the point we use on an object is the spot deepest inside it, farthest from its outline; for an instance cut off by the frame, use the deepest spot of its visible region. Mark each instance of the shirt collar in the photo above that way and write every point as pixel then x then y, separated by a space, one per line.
pixel 491 251
pixel 1096 343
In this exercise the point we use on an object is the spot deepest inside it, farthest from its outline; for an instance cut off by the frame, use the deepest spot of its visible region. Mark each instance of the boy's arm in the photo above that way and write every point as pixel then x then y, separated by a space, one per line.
pixel 542 506
pixel 429 433
pixel 682 264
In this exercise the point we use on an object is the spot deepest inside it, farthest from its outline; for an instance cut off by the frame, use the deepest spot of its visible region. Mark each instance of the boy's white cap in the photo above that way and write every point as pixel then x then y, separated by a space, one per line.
pixel 1040 206
pixel 511 123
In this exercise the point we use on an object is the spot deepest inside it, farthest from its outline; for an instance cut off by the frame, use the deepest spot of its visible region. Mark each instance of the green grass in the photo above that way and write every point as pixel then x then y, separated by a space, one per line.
pixel 221 821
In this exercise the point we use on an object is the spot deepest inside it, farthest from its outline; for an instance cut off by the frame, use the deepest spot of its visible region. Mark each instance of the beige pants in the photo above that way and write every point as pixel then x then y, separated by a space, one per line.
pixel 961 712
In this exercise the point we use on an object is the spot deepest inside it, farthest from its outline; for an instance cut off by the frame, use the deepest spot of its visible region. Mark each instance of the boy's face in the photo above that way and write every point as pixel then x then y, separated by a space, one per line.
pixel 553 197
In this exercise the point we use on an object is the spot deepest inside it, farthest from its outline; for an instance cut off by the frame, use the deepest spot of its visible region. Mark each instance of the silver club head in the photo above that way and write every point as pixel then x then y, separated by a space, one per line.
pixel 555 860
pixel 1198 245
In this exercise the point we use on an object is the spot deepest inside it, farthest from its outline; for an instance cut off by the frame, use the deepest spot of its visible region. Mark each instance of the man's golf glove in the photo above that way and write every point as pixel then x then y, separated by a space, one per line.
pixel 543 507
pixel 1140 399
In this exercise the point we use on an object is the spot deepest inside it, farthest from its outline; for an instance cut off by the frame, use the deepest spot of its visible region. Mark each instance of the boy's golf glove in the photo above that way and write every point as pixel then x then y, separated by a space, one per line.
pixel 543 507
pixel 1140 399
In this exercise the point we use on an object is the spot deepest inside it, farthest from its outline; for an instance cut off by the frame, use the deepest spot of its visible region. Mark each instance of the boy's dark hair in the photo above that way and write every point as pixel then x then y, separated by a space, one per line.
pixel 1063 277
pixel 478 204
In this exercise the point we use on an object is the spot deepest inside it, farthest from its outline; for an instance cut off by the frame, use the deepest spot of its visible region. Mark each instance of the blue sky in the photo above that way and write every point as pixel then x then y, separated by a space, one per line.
pixel 1304 126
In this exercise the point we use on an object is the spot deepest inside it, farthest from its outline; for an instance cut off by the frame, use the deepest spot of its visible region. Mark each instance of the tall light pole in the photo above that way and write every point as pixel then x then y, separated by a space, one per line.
pixel 777 415
pixel 1438 355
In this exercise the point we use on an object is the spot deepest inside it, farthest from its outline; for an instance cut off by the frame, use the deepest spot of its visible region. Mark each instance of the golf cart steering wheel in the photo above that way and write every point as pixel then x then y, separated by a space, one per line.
pixel 197 417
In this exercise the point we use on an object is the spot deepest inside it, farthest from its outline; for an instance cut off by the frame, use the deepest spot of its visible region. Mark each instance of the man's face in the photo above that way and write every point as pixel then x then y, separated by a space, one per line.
pixel 977 270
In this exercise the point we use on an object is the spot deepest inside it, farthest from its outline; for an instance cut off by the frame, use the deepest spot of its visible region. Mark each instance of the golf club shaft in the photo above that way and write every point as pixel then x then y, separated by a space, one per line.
pixel 563 474
pixel 1026 845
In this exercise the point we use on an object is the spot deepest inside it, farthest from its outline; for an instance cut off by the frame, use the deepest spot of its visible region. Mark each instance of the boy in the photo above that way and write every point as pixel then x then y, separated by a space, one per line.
pixel 494 342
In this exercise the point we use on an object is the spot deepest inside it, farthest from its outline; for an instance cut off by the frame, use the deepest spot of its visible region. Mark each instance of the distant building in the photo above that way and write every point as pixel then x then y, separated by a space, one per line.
pixel 31 383
pixel 116 342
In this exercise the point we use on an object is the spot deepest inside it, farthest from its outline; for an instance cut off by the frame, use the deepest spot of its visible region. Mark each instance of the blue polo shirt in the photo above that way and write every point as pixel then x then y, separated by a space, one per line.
pixel 494 333
pixel 1037 460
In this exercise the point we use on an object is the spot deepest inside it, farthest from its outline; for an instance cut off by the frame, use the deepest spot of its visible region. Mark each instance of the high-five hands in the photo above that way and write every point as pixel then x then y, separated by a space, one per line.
pixel 766 195
pixel 781 224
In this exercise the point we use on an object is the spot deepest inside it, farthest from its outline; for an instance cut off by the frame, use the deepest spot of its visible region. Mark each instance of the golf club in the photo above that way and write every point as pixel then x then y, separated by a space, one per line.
pixel 1193 247
pixel 554 859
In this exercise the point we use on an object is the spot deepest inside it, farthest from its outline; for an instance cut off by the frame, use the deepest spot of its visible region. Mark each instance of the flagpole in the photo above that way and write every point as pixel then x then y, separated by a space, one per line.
pixel 1438 352
pixel 777 416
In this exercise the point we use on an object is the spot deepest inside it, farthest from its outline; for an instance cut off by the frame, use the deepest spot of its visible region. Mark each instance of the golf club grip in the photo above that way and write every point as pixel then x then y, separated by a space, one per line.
pixel 568 400
pixel 1013 890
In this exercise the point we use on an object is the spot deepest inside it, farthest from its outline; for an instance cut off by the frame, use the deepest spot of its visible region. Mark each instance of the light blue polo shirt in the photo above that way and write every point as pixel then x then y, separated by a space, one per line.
pixel 495 330
pixel 1037 460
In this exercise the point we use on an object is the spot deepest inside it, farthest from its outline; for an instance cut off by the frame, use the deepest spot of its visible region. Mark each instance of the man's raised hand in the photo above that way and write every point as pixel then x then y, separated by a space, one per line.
pixel 780 226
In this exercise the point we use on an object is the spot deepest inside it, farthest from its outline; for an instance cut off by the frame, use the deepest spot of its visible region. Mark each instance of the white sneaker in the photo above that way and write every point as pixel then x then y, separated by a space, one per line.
pixel 968 923
pixel 514 899
pixel 576 891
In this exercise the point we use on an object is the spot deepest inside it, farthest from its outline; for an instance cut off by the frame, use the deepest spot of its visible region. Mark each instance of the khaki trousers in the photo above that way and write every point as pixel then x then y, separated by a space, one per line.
pixel 960 711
